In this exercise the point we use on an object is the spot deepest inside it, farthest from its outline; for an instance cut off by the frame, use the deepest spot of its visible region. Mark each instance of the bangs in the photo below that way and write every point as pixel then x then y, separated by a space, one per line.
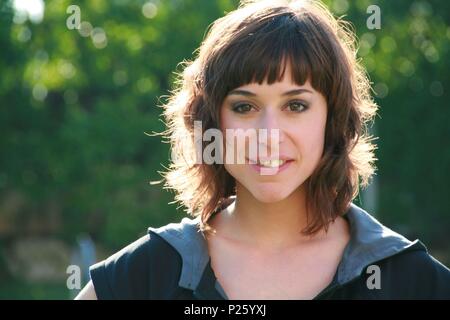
pixel 262 53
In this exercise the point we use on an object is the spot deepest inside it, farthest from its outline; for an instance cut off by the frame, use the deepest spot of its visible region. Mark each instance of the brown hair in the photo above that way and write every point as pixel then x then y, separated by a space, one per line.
pixel 253 44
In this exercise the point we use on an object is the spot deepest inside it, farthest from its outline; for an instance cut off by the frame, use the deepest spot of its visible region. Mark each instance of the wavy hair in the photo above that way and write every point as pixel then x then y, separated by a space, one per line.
pixel 252 44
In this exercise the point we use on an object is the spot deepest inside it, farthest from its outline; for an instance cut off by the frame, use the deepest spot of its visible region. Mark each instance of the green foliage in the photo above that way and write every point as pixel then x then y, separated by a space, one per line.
pixel 74 116
pixel 19 290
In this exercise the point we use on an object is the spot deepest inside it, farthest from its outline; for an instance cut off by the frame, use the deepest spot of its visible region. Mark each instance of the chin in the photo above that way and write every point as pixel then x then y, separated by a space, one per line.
pixel 270 194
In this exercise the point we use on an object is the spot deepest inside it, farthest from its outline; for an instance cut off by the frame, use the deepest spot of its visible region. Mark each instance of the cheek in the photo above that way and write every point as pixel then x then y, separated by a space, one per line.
pixel 237 137
pixel 227 119
pixel 310 139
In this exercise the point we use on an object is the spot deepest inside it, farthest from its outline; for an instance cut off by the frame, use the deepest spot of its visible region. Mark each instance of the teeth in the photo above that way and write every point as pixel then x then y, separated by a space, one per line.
pixel 272 163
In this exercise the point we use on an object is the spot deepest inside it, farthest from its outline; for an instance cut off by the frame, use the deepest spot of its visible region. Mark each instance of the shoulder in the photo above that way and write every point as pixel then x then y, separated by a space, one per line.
pixel 415 274
pixel 406 268
pixel 135 270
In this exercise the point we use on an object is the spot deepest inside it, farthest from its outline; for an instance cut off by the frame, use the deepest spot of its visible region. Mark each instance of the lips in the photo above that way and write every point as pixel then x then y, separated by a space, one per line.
pixel 274 166
pixel 271 170
pixel 274 163
pixel 271 162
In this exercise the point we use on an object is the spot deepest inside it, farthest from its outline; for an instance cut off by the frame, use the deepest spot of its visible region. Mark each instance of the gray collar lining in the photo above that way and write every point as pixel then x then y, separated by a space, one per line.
pixel 370 241
pixel 189 241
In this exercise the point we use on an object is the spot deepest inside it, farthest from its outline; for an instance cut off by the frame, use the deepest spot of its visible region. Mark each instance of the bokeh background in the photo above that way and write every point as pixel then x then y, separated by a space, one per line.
pixel 75 107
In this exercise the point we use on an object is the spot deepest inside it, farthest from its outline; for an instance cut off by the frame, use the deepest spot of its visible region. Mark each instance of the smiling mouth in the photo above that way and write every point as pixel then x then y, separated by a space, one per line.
pixel 270 163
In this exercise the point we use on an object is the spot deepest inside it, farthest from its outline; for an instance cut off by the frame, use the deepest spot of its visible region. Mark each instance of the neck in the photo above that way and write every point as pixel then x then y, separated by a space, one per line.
pixel 267 225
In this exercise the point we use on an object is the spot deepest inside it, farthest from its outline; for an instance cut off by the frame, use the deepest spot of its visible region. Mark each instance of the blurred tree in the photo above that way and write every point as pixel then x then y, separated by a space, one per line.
pixel 75 108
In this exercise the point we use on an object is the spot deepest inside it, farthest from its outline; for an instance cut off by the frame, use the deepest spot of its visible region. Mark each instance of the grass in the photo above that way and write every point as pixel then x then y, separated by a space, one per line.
pixel 19 290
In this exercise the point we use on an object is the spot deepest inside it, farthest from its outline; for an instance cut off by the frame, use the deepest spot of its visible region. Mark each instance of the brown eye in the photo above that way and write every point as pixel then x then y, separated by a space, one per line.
pixel 242 108
pixel 297 106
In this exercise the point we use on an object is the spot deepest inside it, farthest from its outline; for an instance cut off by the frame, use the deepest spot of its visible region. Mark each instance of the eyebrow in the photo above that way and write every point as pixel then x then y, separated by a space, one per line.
pixel 251 94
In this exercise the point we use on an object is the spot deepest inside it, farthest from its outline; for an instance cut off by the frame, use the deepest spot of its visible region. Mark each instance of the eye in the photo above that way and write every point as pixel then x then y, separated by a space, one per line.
pixel 297 106
pixel 242 108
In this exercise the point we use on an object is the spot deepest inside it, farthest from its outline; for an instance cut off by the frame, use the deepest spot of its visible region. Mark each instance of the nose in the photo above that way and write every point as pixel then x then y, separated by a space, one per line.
pixel 272 133
pixel 270 121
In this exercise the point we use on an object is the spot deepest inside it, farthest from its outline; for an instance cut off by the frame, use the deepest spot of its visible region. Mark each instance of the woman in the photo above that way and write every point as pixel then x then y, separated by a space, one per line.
pixel 281 224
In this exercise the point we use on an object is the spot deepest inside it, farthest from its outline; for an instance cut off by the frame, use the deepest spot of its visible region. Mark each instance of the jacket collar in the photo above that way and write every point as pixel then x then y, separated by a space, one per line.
pixel 370 241
pixel 186 238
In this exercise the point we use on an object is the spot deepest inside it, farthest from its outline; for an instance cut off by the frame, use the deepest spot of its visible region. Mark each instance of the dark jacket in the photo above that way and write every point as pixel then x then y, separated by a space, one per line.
pixel 172 262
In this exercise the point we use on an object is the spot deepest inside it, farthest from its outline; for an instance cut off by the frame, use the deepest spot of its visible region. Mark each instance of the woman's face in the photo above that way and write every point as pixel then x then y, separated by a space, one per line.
pixel 297 113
